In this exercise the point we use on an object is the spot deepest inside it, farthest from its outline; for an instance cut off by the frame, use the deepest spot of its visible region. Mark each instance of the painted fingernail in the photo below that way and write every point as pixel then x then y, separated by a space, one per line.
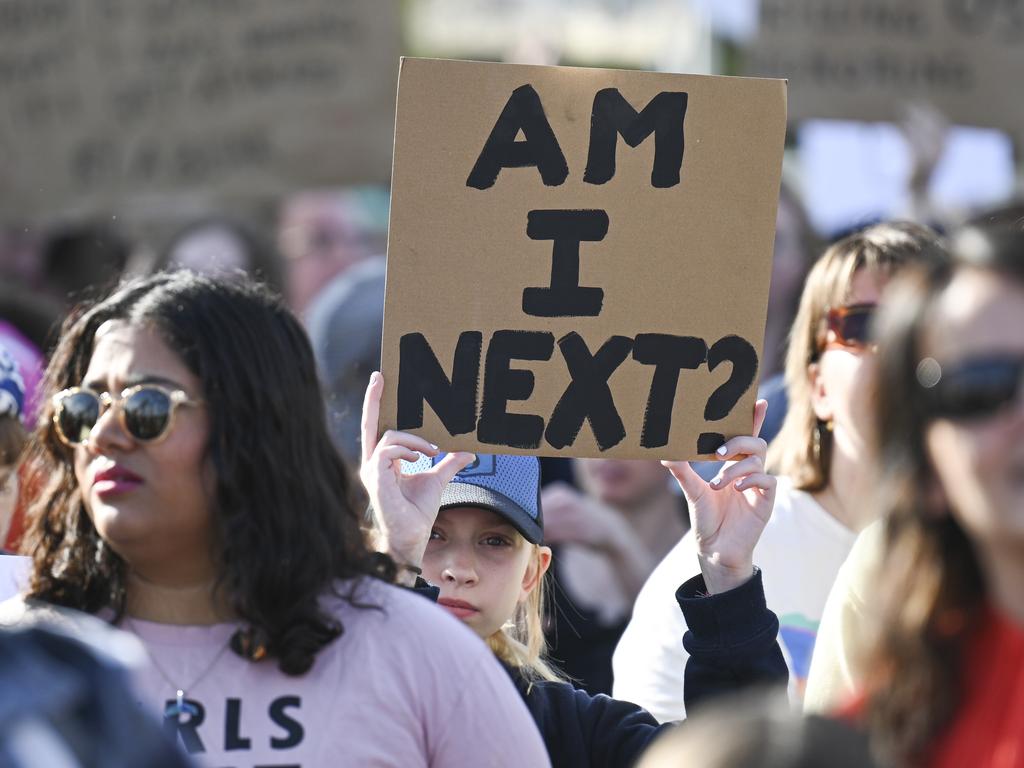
pixel 721 451
pixel 738 483
pixel 716 482
pixel 433 446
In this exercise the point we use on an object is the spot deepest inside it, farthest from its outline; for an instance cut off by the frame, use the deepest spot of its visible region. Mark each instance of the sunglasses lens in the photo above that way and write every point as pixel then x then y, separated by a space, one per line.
pixel 147 413
pixel 854 327
pixel 979 388
pixel 77 413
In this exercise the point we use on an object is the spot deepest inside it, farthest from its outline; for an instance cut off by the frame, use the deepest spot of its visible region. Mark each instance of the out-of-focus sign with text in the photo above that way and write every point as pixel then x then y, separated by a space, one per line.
pixel 107 100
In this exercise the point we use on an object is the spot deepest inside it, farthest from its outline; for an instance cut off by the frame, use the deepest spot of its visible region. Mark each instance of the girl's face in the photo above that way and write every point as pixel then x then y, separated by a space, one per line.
pixel 839 379
pixel 979 461
pixel 483 566
pixel 150 502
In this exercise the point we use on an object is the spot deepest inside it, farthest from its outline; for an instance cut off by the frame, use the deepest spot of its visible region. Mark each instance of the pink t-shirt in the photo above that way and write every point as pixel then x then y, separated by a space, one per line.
pixel 407 686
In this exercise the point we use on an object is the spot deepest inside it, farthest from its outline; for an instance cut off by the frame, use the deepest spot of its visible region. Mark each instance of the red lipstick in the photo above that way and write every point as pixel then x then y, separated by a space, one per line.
pixel 114 480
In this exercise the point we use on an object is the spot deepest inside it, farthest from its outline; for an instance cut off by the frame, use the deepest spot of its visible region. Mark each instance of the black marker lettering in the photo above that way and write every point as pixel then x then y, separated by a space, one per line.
pixel 523 111
pixel 233 738
pixel 613 116
pixel 421 378
pixel 669 355
pixel 743 357
pixel 502 383
pixel 588 395
pixel 565 297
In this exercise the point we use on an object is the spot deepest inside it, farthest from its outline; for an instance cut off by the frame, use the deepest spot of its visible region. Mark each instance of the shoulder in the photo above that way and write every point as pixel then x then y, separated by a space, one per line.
pixel 108 643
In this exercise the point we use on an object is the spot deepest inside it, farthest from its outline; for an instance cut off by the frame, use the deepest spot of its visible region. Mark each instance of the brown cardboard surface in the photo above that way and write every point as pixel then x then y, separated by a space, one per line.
pixel 105 101
pixel 864 61
pixel 691 259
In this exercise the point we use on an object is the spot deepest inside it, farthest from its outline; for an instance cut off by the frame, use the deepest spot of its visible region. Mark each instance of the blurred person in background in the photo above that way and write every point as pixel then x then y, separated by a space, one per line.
pixel 345 322
pixel 323 233
pixel 759 730
pixel 943 676
pixel 194 499
pixel 837 666
pixel 82 259
pixel 223 246
pixel 821 457
pixel 606 539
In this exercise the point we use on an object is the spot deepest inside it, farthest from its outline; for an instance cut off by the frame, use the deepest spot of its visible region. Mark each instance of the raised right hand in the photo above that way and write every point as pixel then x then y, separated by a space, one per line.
pixel 404 506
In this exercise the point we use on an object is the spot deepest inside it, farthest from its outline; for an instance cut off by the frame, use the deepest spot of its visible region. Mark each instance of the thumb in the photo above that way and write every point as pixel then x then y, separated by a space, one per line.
pixel 451 465
pixel 692 484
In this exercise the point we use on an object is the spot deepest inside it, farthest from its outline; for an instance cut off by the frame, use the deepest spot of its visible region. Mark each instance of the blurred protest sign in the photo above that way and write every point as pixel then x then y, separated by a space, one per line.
pixel 579 259
pixel 105 101
pixel 857 60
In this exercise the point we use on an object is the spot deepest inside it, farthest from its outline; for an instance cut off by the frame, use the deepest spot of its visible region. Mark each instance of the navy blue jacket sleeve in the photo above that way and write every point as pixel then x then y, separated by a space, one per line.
pixel 732 644
pixel 731 638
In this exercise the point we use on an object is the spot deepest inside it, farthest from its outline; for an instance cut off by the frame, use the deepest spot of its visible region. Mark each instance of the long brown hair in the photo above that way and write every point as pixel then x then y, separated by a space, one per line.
pixel 803 448
pixel 934 587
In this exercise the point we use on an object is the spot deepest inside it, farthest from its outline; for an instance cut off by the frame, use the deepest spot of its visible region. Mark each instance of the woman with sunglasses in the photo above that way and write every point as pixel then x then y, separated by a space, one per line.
pixel 819 456
pixel 944 680
pixel 195 500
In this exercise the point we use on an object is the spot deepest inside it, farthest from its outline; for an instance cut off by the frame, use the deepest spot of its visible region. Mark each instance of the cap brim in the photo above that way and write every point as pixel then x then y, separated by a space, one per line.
pixel 458 494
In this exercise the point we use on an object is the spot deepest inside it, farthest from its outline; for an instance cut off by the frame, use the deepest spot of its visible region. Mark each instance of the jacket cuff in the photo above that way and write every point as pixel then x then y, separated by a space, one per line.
pixel 729 619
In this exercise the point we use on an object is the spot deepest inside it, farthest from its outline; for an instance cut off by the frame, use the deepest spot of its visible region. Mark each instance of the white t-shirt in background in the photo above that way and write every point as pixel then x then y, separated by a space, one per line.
pixel 799 553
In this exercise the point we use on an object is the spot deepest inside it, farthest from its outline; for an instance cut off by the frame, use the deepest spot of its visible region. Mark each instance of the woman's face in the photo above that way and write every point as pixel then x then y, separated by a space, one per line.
pixel 839 379
pixel 980 462
pixel 150 502
pixel 482 565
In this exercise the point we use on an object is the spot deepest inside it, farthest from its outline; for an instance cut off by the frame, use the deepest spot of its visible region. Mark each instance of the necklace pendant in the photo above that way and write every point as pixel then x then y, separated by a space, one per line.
pixel 175 709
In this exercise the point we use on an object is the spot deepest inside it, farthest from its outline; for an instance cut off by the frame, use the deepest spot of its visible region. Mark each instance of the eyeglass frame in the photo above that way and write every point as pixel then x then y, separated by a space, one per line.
pixel 177 397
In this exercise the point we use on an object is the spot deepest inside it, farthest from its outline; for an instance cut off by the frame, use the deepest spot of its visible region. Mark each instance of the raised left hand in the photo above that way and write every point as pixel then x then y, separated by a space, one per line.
pixel 729 513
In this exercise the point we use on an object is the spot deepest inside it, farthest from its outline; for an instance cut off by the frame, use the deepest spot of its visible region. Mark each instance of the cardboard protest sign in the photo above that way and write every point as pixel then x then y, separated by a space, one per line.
pixel 853 60
pixel 578 259
pixel 107 101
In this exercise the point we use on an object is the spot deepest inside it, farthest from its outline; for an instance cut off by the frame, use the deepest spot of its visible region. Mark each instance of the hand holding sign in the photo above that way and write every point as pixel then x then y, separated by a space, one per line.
pixel 404 506
pixel 729 513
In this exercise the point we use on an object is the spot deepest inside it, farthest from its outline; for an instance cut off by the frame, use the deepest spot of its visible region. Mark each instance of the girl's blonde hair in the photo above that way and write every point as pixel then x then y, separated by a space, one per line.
pixel 520 643
pixel 803 448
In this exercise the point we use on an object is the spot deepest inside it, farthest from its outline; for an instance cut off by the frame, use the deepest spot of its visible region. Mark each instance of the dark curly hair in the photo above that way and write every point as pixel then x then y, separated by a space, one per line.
pixel 284 521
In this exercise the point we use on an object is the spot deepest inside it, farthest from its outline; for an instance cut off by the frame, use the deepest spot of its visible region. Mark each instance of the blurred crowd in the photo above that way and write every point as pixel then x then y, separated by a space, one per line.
pixel 197 514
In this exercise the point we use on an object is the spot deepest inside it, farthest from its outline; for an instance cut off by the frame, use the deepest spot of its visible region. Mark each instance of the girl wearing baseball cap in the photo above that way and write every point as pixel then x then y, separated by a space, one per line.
pixel 472 526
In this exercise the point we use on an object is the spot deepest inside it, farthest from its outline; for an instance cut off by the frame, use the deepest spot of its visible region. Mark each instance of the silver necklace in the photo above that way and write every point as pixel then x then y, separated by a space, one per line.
pixel 180 706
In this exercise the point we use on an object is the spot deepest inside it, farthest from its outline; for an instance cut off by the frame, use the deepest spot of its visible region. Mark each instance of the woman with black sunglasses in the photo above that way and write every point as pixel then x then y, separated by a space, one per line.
pixel 195 500
pixel 944 677
pixel 818 456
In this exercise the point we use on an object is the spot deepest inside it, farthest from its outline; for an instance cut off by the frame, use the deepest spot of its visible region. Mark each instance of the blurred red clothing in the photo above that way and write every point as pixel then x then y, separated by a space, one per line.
pixel 988 729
